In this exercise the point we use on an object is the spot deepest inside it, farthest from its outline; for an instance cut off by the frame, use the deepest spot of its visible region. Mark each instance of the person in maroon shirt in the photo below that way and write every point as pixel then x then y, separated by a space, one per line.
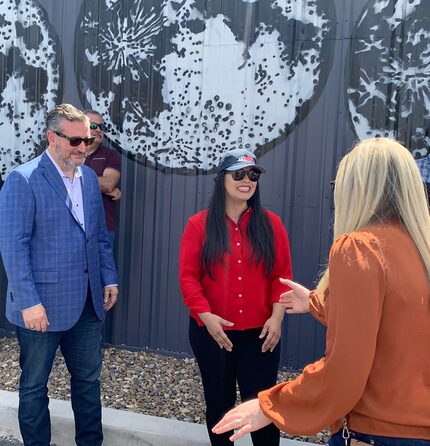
pixel 232 256
pixel 107 165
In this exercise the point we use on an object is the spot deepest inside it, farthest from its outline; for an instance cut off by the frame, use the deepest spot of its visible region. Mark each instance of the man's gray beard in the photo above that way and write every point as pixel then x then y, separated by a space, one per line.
pixel 67 162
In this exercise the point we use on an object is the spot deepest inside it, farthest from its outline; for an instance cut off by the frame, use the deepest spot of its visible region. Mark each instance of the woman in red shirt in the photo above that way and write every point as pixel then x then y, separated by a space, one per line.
pixel 373 384
pixel 232 256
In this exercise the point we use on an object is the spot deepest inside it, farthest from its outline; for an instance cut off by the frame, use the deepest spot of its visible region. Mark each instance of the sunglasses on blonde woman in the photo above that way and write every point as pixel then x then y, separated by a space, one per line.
pixel 239 175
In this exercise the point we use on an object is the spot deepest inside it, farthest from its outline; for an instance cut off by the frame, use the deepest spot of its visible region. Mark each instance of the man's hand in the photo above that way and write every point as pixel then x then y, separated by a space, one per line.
pixel 110 297
pixel 115 194
pixel 35 318
pixel 214 325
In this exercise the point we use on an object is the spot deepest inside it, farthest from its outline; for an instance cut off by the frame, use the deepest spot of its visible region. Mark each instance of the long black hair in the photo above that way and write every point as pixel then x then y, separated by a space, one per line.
pixel 259 231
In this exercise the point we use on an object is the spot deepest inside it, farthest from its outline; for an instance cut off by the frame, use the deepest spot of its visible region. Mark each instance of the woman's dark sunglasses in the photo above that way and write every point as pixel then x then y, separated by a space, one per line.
pixel 75 141
pixel 239 175
pixel 94 126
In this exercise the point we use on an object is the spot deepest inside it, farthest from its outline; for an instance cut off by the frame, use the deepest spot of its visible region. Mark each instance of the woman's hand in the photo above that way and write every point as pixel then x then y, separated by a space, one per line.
pixel 214 325
pixel 296 300
pixel 272 329
pixel 246 418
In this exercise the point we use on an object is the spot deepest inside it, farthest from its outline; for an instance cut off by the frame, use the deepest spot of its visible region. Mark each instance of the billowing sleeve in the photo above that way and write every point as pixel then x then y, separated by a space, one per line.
pixel 282 266
pixel 329 388
pixel 318 306
pixel 190 271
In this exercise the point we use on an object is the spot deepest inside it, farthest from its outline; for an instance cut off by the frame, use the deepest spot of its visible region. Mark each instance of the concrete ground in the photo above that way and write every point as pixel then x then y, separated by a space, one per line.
pixel 121 428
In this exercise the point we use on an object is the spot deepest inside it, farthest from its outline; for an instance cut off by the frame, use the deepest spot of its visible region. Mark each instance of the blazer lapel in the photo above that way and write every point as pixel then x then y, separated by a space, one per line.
pixel 54 179
pixel 86 198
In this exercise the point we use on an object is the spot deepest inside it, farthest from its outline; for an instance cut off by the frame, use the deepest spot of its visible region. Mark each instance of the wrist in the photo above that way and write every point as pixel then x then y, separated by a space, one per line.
pixel 204 316
pixel 278 312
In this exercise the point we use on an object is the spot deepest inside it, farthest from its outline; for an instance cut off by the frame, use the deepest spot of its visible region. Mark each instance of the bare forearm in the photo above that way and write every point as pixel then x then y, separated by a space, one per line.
pixel 107 185
pixel 278 311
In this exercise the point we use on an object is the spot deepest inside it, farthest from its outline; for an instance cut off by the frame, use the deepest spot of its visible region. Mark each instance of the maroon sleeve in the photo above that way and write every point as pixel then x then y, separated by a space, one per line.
pixel 113 160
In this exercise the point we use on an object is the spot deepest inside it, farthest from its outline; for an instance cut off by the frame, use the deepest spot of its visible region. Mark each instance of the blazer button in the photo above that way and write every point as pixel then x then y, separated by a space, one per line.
pixel 88 240
pixel 86 271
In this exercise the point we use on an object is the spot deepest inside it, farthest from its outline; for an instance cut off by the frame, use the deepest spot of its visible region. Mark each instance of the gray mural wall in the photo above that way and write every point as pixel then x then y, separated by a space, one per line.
pixel 179 83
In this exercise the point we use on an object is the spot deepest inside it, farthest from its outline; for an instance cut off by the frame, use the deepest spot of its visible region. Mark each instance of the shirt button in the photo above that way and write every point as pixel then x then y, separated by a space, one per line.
pixel 236 229
pixel 240 311
pixel 238 243
pixel 240 294
pixel 239 261
pixel 239 278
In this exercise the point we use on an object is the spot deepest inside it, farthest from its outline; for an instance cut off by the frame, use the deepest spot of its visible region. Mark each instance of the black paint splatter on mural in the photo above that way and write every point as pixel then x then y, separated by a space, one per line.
pixel 181 82
pixel 389 73
pixel 30 80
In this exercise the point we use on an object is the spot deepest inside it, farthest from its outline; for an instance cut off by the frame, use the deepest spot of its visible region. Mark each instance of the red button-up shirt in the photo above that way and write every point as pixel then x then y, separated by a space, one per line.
pixel 240 292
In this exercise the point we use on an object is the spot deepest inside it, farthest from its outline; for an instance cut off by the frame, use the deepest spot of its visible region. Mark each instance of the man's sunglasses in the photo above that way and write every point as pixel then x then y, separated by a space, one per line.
pixel 239 175
pixel 75 141
pixel 95 126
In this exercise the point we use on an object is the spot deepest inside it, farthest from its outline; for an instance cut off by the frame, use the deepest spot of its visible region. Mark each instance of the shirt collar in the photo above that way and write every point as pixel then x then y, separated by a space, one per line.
pixel 243 220
pixel 78 170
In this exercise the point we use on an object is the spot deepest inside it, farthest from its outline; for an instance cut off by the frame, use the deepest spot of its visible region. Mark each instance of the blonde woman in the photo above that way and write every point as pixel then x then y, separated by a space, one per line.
pixel 373 384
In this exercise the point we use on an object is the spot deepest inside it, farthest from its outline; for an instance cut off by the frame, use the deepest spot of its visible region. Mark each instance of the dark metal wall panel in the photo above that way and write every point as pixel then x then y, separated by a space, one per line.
pixel 301 160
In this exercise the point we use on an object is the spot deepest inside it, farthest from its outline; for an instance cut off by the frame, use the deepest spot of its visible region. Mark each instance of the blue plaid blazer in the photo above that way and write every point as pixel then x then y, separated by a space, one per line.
pixel 48 257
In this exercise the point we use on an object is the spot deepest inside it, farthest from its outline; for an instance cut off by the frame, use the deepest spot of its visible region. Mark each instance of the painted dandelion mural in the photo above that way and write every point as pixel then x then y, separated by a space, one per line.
pixel 181 82
pixel 128 42
pixel 389 83
pixel 30 58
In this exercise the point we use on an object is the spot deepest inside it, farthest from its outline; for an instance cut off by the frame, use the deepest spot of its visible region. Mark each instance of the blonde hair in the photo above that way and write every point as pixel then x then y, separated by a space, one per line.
pixel 377 181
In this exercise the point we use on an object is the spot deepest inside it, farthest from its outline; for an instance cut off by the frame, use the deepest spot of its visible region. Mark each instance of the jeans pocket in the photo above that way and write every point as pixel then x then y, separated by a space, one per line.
pixel 359 439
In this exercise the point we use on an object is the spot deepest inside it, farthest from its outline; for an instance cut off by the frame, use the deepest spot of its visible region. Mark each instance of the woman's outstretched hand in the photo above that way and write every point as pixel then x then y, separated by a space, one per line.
pixel 245 418
pixel 297 300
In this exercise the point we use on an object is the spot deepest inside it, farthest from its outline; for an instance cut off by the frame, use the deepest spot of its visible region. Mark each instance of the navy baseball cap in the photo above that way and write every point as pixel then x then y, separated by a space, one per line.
pixel 238 159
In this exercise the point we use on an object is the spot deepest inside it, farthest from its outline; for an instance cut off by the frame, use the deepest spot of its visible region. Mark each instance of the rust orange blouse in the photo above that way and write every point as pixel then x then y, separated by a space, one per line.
pixel 376 366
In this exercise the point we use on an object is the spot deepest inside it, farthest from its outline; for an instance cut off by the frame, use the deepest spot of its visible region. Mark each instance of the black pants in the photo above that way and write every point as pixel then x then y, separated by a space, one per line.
pixel 253 370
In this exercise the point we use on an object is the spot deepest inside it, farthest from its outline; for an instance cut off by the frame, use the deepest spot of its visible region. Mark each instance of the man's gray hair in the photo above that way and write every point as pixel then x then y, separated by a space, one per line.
pixel 61 113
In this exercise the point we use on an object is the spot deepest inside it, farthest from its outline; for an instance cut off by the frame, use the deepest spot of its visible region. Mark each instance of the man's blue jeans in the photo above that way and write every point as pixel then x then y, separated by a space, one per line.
pixel 337 440
pixel 81 348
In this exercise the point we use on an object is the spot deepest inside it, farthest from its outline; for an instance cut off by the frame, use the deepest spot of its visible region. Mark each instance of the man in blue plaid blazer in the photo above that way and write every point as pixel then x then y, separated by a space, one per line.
pixel 61 275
